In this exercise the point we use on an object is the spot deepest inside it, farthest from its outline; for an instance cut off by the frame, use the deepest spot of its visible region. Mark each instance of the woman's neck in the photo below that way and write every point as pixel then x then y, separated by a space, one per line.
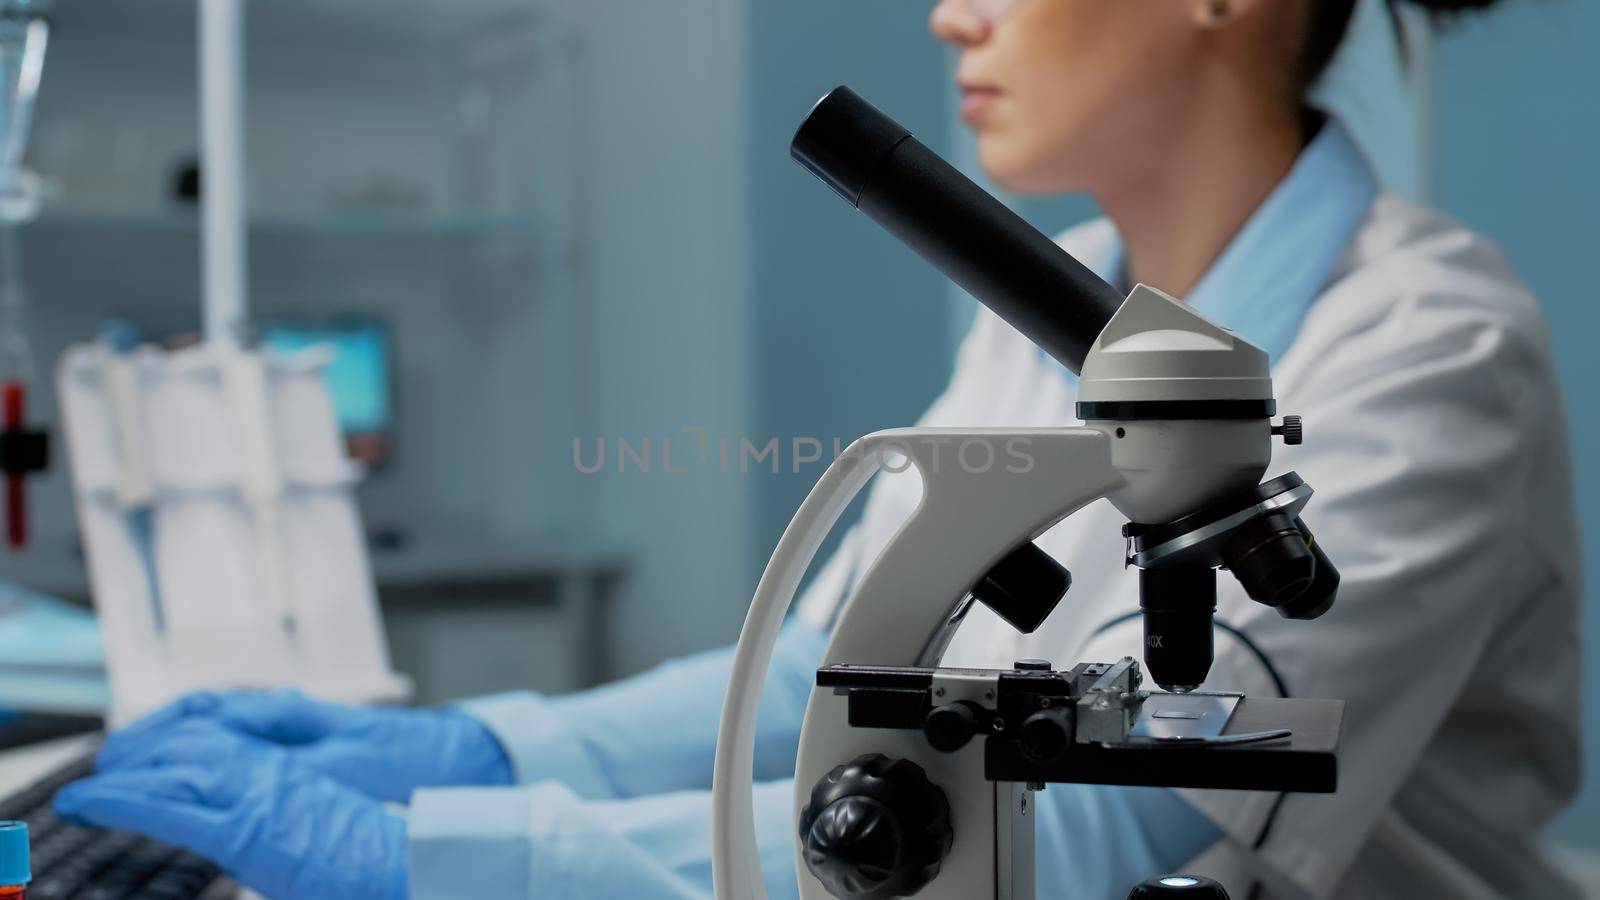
pixel 1178 211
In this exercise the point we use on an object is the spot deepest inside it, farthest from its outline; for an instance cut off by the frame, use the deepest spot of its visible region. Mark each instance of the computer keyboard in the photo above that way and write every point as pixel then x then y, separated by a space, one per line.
pixel 74 863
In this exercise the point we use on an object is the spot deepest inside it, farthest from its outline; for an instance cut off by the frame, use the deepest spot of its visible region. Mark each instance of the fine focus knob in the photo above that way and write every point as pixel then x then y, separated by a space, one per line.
pixel 1292 430
pixel 876 828
pixel 1189 887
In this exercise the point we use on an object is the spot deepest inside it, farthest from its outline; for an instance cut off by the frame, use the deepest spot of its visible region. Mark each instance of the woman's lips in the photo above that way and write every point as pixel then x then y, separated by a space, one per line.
pixel 976 101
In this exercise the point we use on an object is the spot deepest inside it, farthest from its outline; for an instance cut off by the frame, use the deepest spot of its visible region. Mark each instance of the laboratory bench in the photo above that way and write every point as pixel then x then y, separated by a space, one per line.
pixel 464 616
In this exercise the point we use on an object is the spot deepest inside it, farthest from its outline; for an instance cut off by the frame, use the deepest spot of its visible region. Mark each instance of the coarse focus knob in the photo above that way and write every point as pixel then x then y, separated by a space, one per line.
pixel 876 828
pixel 1189 887
pixel 1292 431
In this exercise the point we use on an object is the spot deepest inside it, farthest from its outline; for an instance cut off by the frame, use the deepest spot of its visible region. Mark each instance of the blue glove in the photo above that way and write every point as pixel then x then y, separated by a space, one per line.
pixel 386 753
pixel 274 826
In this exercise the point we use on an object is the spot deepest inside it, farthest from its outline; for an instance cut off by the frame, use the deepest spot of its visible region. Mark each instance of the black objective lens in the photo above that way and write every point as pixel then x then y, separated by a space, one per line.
pixel 1179 604
pixel 1270 558
pixel 1275 561
pixel 1319 596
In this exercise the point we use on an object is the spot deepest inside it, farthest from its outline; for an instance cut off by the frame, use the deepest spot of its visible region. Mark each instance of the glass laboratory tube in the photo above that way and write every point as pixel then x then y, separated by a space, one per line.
pixel 16 344
pixel 15 868
pixel 16 373
pixel 24 34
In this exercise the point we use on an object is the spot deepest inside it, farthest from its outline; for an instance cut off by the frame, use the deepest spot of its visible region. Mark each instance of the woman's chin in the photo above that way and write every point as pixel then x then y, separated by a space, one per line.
pixel 1019 169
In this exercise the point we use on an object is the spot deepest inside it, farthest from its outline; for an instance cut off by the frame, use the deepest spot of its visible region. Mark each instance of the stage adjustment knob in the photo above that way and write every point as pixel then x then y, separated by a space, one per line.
pixel 1188 887
pixel 876 828
pixel 1046 736
pixel 950 727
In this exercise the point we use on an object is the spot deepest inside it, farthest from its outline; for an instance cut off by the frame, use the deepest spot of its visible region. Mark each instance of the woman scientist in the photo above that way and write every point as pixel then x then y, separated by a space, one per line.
pixel 1439 458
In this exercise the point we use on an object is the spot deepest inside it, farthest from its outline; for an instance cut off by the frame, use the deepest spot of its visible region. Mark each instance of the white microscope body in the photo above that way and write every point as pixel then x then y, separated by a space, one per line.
pixel 917 780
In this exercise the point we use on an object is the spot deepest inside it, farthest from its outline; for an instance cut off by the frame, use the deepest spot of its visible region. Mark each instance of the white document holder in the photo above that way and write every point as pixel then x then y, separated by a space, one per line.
pixel 218 515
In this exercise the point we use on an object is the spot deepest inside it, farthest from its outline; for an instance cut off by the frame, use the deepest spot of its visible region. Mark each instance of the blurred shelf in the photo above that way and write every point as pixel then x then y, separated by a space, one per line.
pixel 279 24
pixel 326 226
pixel 455 558
pixel 422 560
pixel 55 571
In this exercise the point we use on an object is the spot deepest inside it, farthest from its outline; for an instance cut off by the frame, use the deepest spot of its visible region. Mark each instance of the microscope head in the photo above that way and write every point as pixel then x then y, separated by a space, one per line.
pixel 1190 406
pixel 1187 402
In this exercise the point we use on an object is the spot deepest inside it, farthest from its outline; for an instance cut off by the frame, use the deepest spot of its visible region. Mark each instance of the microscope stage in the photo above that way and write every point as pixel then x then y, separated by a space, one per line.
pixel 1220 741
pixel 1306 761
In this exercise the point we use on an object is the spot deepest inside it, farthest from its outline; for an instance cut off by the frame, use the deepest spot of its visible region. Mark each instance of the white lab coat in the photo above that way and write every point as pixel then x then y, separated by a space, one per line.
pixel 1436 446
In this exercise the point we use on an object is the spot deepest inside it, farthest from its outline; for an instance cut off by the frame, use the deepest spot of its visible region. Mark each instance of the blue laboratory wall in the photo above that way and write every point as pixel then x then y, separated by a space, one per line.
pixel 850 331
pixel 1517 123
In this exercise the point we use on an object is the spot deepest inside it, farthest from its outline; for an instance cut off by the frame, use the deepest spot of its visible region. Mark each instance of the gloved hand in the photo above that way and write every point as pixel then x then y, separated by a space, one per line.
pixel 273 825
pixel 385 753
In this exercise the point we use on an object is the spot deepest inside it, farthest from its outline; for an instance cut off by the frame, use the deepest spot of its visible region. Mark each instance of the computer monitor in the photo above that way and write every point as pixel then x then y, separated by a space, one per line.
pixel 360 378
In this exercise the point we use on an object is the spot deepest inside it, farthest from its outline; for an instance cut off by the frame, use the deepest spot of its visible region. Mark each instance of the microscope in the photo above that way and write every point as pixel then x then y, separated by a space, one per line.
pixel 914 779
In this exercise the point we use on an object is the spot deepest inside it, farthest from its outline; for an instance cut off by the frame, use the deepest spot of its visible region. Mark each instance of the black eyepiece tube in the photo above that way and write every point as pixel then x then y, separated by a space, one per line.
pixel 873 162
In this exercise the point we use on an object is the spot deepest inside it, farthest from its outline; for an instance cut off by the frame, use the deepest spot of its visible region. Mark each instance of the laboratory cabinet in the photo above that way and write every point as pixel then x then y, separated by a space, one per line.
pixel 417 192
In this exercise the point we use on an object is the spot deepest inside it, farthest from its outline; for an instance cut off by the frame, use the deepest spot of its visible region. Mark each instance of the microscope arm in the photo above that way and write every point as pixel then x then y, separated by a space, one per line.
pixel 966 522
pixel 736 867
pixel 969 518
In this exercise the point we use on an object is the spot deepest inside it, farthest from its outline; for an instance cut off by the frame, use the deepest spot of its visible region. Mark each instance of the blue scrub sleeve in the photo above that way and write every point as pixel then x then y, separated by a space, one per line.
pixel 543 841
pixel 656 732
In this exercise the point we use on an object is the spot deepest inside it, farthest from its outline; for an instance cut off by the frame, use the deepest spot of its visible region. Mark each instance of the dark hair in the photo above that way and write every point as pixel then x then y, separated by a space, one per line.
pixel 1330 19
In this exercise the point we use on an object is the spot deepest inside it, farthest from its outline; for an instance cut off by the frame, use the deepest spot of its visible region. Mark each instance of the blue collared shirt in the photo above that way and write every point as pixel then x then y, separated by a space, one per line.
pixel 614 799
pixel 1274 269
